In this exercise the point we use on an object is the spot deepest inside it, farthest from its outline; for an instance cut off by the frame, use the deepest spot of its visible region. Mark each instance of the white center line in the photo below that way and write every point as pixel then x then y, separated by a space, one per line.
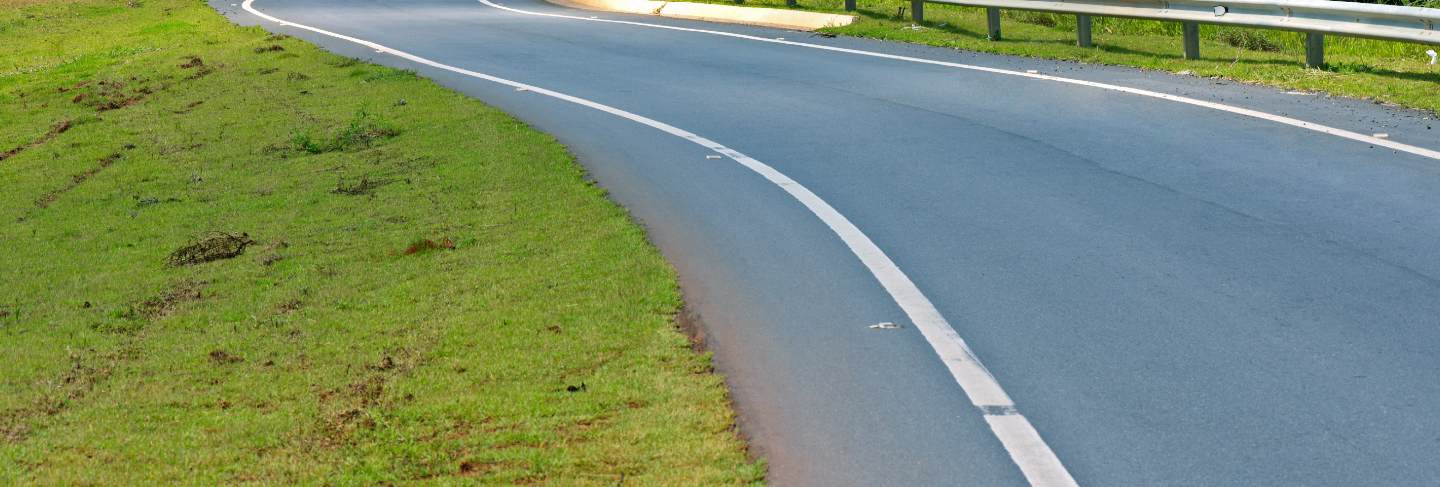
pixel 1027 449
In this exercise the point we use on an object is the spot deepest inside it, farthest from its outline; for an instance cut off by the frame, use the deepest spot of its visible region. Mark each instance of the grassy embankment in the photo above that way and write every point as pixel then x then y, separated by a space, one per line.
pixel 425 289
pixel 1389 72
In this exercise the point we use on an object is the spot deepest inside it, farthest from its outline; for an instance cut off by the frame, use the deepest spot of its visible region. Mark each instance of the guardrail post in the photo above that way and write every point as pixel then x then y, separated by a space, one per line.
pixel 1192 40
pixel 849 5
pixel 1082 31
pixel 917 10
pixel 992 17
pixel 1314 50
pixel 790 3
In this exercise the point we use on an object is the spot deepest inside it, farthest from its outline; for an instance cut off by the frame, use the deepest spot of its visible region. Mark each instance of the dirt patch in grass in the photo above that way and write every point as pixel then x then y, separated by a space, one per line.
pixel 87 369
pixel 349 409
pixel 161 306
pixel 75 181
pixel 106 95
pixel 197 64
pixel 363 186
pixel 269 48
pixel 212 247
pixel 425 245
pixel 55 130
pixel 290 306
pixel 189 107
pixel 221 357
pixel 272 254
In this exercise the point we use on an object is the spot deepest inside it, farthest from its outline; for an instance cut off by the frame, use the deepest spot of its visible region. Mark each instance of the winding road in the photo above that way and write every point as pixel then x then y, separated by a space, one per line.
pixel 1100 275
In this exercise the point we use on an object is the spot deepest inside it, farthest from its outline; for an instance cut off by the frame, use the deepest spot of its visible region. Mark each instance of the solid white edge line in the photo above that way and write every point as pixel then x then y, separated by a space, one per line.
pixel 1281 119
pixel 1037 462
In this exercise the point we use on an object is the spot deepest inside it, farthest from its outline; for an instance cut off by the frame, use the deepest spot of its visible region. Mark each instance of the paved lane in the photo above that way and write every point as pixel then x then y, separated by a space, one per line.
pixel 1173 295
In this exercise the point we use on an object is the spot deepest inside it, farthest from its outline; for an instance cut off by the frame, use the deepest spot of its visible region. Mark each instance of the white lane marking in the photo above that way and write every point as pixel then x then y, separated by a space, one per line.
pixel 1294 122
pixel 1036 460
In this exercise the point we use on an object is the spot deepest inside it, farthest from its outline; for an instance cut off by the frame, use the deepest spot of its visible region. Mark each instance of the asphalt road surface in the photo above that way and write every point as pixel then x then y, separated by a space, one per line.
pixel 1170 293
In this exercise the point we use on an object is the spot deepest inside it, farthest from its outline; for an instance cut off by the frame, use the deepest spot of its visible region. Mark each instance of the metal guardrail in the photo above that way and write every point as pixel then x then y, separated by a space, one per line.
pixel 1316 18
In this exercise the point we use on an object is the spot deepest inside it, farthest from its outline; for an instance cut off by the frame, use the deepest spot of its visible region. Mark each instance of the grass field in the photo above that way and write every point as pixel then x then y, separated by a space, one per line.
pixel 229 257
pixel 1390 72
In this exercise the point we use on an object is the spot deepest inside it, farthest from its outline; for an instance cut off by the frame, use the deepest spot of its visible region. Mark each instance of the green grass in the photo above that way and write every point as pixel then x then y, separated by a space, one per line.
pixel 428 291
pixel 1390 72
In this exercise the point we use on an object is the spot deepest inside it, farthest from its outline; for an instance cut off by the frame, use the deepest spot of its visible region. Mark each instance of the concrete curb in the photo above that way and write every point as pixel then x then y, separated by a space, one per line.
pixel 766 17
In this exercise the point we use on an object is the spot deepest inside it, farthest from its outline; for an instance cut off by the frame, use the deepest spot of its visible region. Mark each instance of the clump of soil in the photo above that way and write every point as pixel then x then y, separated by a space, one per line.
pixel 360 188
pixel 470 468
pixel 152 201
pixel 188 107
pixel 215 246
pixel 269 48
pixel 162 305
pixel 386 363
pixel 197 64
pixel 108 95
pixel 290 306
pixel 222 357
pixel 272 254
pixel 55 130
pixel 426 245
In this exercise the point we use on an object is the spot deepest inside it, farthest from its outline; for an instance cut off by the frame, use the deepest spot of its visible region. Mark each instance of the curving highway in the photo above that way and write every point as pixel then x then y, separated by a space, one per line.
pixel 1100 275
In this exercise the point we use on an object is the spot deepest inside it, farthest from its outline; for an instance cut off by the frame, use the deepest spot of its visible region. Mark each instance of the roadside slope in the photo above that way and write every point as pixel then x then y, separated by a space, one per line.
pixel 419 287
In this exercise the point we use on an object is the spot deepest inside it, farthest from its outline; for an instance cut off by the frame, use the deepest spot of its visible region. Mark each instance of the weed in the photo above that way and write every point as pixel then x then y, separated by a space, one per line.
pixel 362 131
pixel 344 62
pixel 390 74
pixel 1247 39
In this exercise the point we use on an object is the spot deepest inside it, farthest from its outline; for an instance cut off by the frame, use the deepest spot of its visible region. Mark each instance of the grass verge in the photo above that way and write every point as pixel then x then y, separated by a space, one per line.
pixel 230 257
pixel 1390 72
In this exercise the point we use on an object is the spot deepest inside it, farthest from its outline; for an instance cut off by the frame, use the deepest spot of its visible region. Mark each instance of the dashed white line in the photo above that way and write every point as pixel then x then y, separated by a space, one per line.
pixel 1037 462
pixel 1281 119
